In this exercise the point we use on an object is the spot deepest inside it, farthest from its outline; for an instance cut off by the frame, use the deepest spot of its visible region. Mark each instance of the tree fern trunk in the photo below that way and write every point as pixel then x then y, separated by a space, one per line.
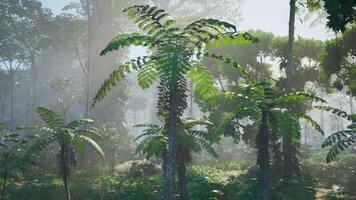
pixel 65 171
pixel 171 155
pixel 181 172
pixel 263 159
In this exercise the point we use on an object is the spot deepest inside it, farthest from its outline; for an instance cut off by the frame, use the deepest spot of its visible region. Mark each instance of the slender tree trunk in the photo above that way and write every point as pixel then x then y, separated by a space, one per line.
pixel 351 103
pixel 290 69
pixel 65 171
pixel 12 83
pixel 5 181
pixel 171 148
pixel 87 74
pixel 33 82
pixel 181 171
pixel 164 162
pixel 264 153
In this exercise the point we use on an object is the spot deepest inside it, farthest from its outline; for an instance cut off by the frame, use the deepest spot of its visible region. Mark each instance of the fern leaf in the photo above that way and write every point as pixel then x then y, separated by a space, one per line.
pixel 204 82
pixel 300 96
pixel 51 118
pixel 127 40
pixel 92 143
pixel 77 123
pixel 312 122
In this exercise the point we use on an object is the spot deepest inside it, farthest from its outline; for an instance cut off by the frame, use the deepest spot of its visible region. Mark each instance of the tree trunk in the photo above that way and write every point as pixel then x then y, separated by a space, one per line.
pixel 181 172
pixel 65 170
pixel 5 181
pixel 290 69
pixel 351 103
pixel 87 73
pixel 171 148
pixel 264 160
pixel 33 82
pixel 12 84
pixel 164 162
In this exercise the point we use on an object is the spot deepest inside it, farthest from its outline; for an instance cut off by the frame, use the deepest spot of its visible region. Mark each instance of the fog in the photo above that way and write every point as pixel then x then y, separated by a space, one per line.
pixel 51 58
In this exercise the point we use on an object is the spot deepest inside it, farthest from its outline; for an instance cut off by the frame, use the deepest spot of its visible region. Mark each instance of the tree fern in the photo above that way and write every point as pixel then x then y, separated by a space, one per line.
pixel 175 53
pixel 66 136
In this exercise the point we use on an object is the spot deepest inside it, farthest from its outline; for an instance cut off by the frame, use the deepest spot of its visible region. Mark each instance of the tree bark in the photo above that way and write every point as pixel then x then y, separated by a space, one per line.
pixel 171 148
pixel 290 69
pixel 12 83
pixel 65 171
pixel 265 159
pixel 33 81
pixel 181 171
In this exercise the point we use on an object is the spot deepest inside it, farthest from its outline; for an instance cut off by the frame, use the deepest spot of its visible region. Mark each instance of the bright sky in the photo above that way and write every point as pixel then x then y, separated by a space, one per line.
pixel 267 15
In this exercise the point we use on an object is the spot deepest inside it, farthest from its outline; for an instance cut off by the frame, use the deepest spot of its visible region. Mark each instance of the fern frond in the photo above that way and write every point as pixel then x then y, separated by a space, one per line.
pixel 149 19
pixel 204 82
pixel 147 75
pixel 312 122
pixel 127 40
pixel 92 143
pixel 338 142
pixel 51 118
pixel 77 123
pixel 208 147
pixel 335 111
pixel 243 72
pixel 95 135
pixel 300 96
pixel 37 147
pixel 116 76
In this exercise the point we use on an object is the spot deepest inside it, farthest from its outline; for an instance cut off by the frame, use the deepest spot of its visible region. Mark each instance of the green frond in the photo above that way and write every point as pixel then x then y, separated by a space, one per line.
pixel 150 19
pixel 147 75
pixel 37 147
pixel 233 39
pixel 335 111
pixel 116 76
pixel 214 24
pixel 95 135
pixel 77 123
pixel 287 124
pixel 245 109
pixel 243 72
pixel 152 146
pixel 204 82
pixel 300 96
pixel 92 143
pixel 338 142
pixel 312 122
pixel 51 118
pixel 127 40
pixel 207 146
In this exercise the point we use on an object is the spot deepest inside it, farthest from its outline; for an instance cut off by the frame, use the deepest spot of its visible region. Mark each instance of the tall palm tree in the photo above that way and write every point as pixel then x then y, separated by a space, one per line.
pixel 262 102
pixel 70 138
pixel 190 139
pixel 175 53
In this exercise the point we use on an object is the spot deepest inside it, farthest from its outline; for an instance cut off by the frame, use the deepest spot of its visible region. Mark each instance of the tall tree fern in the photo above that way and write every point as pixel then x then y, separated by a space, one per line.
pixel 175 53
pixel 71 137
pixel 262 102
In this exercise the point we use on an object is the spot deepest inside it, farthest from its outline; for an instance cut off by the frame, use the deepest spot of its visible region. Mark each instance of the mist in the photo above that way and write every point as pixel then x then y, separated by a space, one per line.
pixel 116 100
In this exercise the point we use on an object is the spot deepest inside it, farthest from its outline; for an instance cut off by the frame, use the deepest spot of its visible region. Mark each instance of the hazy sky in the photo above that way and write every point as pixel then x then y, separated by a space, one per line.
pixel 267 15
